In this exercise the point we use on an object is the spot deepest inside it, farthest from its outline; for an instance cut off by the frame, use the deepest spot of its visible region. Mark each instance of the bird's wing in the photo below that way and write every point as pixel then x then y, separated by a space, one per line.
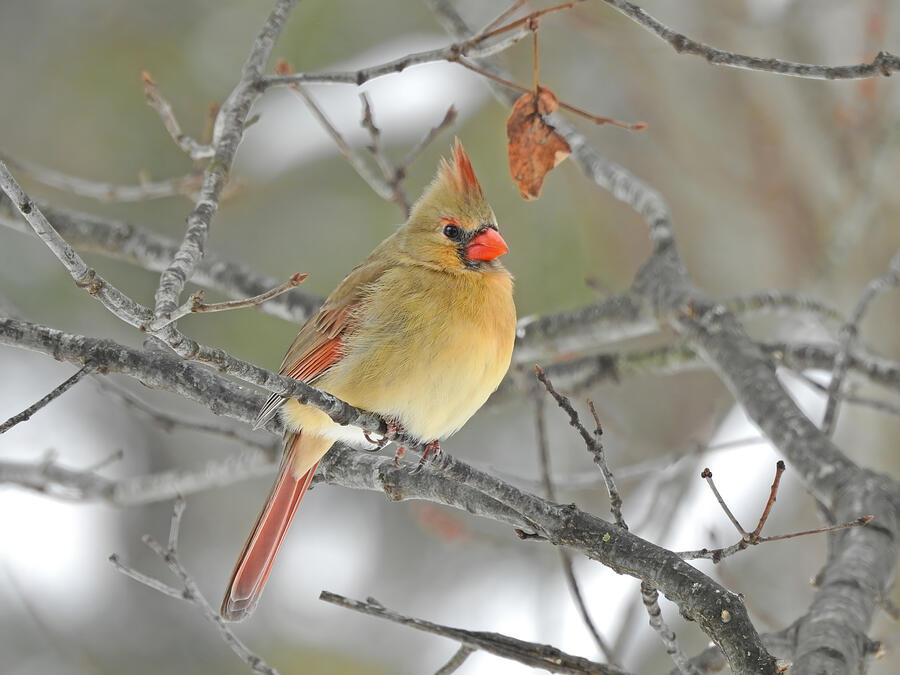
pixel 319 344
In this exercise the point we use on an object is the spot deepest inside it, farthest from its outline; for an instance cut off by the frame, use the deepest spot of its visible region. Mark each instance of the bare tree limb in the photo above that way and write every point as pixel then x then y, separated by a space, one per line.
pixel 227 134
pixel 445 480
pixel 544 657
pixel 881 66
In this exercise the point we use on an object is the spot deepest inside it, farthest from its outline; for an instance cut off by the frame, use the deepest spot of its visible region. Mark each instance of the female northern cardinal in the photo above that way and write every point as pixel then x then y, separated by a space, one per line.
pixel 420 332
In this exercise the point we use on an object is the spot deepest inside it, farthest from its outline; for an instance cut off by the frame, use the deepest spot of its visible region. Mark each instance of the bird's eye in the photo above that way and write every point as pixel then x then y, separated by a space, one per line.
pixel 452 232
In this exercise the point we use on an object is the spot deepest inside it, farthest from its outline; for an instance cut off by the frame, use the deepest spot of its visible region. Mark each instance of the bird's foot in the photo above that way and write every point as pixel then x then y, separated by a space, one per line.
pixel 432 452
pixel 400 452
pixel 394 429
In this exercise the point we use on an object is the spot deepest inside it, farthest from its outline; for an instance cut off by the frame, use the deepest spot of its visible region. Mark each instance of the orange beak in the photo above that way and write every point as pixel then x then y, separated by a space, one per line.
pixel 487 246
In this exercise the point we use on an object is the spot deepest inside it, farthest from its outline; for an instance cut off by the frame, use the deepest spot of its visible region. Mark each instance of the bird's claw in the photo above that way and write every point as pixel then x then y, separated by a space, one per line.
pixel 400 452
pixel 377 443
pixel 432 452
pixel 394 429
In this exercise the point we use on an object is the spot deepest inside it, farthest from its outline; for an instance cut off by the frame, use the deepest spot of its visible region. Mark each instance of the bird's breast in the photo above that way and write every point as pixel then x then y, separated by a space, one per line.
pixel 428 350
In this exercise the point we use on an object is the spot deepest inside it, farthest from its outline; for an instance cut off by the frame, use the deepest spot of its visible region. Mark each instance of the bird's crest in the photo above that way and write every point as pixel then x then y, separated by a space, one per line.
pixel 459 174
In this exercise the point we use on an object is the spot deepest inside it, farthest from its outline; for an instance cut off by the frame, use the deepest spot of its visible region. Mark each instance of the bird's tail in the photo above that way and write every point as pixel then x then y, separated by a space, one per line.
pixel 258 555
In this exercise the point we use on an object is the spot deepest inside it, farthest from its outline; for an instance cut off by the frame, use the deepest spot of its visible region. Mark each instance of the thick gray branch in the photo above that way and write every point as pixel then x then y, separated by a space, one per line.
pixel 446 480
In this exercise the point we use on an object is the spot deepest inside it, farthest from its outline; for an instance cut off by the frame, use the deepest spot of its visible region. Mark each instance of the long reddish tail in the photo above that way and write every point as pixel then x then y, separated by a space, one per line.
pixel 256 559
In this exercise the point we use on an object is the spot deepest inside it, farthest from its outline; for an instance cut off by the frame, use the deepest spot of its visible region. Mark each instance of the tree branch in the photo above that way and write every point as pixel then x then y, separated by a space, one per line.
pixel 864 558
pixel 444 480
pixel 227 134
pixel 135 244
pixel 190 591
pixel 544 657
pixel 881 66
pixel 53 395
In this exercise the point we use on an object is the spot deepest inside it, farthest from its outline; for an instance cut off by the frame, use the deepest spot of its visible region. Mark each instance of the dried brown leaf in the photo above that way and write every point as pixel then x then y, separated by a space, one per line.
pixel 535 147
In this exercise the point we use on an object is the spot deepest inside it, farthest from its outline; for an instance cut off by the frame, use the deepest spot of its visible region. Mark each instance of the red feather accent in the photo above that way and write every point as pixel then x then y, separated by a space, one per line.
pixel 460 173
pixel 256 559
pixel 464 169
pixel 318 360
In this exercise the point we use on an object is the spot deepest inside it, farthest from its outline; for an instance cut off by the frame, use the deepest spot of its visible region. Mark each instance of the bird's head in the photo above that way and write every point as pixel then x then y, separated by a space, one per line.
pixel 452 226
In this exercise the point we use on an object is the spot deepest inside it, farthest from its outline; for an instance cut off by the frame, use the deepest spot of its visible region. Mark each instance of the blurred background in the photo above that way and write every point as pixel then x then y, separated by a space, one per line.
pixel 774 182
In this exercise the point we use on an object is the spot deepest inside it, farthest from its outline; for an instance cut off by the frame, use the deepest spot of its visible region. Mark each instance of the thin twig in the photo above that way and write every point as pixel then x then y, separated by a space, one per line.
pixel 502 16
pixel 163 108
pixel 393 175
pixel 189 590
pixel 721 553
pixel 615 499
pixel 753 538
pixel 416 150
pixel 456 660
pixel 54 394
pixel 853 399
pixel 168 421
pixel 650 598
pixel 707 475
pixel 145 579
pixel 368 123
pixel 565 558
pixel 531 654
pixel 592 441
pixel 186 185
pixel 378 184
pixel 849 333
pixel 773 492
pixel 476 46
pixel 596 119
pixel 195 303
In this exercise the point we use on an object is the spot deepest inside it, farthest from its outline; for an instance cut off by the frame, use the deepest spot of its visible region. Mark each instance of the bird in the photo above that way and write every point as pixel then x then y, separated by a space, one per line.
pixel 421 332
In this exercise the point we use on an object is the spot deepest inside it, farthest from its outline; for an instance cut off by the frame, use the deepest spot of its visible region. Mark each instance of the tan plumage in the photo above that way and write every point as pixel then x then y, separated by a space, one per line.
pixel 420 332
